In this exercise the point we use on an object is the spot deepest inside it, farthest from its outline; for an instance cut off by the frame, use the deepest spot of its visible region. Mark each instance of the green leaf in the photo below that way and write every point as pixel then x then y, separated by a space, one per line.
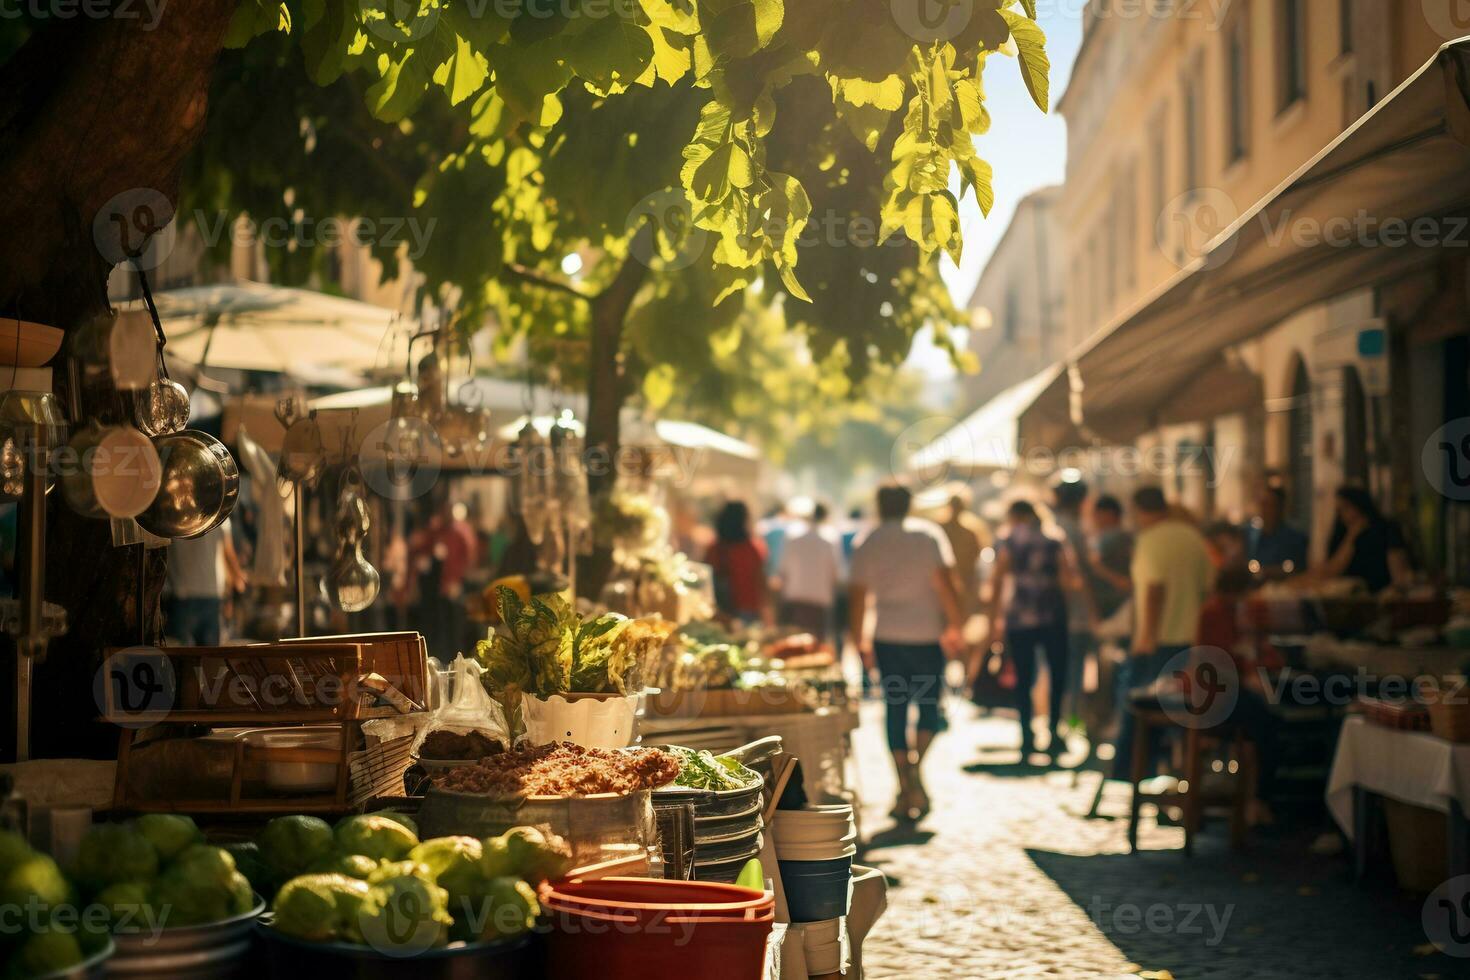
pixel 788 278
pixel 658 386
pixel 1031 50
pixel 679 16
pixel 463 74
pixel 525 74
pixel 613 51
pixel 884 94
pixel 327 31
pixel 254 18
pixel 978 174
pixel 401 88
pixel 1030 7
pixel 744 27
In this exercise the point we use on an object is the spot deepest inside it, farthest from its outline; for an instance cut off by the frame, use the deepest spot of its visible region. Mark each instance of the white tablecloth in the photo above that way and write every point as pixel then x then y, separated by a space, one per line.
pixel 1411 767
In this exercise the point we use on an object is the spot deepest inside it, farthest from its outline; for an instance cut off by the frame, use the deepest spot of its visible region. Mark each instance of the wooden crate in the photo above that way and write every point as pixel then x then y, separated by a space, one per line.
pixel 312 680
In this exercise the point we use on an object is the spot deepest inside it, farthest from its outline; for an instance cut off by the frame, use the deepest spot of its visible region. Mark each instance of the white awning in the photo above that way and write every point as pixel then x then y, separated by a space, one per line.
pixel 990 439
pixel 259 327
pixel 1324 232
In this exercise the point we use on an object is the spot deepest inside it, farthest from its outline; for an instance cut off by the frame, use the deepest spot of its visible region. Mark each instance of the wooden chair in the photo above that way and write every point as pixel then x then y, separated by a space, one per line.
pixel 1198 744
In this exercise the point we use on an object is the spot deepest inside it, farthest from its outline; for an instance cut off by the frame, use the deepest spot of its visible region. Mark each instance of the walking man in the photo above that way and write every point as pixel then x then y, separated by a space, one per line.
pixel 906 565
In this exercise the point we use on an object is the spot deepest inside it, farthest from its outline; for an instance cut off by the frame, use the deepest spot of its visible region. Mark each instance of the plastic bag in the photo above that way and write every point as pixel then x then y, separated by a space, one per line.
pixel 468 725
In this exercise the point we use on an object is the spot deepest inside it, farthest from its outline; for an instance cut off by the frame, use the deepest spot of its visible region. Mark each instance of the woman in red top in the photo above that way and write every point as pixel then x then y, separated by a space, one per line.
pixel 739 561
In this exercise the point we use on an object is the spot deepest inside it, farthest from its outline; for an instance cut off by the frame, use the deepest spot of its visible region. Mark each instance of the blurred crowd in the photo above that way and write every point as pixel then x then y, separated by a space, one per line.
pixel 1100 596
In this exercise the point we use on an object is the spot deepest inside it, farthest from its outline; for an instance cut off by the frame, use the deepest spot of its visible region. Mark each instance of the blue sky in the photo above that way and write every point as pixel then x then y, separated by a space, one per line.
pixel 1026 148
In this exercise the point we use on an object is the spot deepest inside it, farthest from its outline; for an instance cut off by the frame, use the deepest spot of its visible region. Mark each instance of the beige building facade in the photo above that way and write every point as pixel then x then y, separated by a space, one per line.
pixel 1182 114
pixel 1017 311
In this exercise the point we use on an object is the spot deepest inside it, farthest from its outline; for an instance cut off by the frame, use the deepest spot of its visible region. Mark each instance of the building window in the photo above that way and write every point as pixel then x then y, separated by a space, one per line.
pixel 1191 134
pixel 1160 154
pixel 1292 63
pixel 1237 85
pixel 1345 26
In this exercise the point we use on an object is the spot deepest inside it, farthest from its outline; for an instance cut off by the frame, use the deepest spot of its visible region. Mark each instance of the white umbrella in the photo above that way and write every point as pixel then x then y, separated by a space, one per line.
pixel 254 326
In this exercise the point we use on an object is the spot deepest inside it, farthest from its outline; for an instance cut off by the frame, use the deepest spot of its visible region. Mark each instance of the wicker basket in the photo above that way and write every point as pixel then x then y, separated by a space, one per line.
pixel 1449 718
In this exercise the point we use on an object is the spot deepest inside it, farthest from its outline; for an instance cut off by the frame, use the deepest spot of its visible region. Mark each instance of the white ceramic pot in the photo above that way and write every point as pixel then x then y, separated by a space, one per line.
pixel 602 721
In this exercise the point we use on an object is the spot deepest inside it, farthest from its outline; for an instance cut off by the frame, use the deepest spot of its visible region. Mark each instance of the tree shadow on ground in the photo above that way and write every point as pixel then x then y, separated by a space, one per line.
pixel 1276 911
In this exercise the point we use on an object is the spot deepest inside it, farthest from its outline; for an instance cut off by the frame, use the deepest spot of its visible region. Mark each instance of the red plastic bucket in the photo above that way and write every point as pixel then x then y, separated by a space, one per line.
pixel 712 940
pixel 642 896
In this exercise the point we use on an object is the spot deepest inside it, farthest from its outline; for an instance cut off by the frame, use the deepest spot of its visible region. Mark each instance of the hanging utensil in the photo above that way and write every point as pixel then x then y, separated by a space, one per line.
pixel 303 453
pixel 199 487
pixel 353 583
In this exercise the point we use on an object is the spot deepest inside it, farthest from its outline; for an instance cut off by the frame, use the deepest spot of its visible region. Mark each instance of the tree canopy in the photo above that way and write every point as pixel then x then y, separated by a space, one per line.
pixel 807 153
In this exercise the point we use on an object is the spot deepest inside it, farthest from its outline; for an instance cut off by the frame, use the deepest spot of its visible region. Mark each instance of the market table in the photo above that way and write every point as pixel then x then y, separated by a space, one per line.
pixel 1416 768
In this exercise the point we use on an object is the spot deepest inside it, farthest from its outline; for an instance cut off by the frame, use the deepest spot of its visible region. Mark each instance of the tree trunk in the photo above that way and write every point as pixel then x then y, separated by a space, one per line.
pixel 99 115
pixel 607 391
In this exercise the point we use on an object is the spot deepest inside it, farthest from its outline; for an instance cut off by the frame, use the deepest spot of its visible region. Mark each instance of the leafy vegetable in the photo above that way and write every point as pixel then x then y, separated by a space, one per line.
pixel 703 770
pixel 547 648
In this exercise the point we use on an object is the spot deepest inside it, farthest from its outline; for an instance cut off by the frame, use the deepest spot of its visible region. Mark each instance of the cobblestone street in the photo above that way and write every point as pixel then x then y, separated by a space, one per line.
pixel 1006 879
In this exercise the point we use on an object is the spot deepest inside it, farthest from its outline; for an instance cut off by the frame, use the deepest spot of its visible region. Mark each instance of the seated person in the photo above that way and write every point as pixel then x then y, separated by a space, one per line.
pixel 1224 624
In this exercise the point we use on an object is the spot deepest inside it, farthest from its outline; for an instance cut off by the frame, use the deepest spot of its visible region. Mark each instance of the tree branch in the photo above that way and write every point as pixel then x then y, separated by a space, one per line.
pixel 533 278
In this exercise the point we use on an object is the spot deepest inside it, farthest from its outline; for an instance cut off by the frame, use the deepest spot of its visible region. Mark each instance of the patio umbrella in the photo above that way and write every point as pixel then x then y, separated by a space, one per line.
pixel 257 327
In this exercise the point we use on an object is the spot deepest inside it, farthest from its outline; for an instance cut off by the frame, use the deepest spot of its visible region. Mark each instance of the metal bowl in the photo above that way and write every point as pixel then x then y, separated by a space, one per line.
pixel 199 487
pixel 93 967
pixel 213 951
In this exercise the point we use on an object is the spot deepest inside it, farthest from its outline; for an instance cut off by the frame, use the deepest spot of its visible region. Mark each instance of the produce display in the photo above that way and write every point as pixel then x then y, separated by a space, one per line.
pixel 562 769
pixel 546 647
pixel 53 937
pixel 370 881
pixel 704 770
pixel 157 869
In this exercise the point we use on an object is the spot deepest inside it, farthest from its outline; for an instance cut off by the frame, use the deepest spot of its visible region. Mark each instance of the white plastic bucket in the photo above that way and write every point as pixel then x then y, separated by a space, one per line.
pixel 600 722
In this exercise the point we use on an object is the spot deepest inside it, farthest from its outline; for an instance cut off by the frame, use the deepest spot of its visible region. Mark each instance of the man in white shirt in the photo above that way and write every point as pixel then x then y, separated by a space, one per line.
pixel 907 566
pixel 810 571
